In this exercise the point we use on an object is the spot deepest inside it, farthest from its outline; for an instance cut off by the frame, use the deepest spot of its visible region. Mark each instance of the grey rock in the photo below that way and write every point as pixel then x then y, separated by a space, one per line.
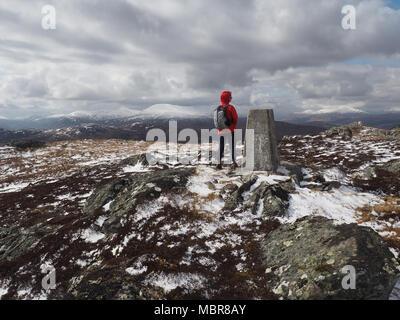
pixel 237 197
pixel 295 170
pixel 305 260
pixel 126 194
pixel 392 166
pixel 275 200
pixel 344 132
pixel 394 133
pixel 370 173
pixel 103 283
pixel 365 174
pixel 134 160
pixel 325 186
pixel 18 241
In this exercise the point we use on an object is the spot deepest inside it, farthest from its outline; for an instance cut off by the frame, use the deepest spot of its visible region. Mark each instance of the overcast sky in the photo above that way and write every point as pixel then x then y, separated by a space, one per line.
pixel 290 55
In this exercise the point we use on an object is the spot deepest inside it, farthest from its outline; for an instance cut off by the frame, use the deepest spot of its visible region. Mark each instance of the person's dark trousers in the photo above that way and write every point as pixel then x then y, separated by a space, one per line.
pixel 222 147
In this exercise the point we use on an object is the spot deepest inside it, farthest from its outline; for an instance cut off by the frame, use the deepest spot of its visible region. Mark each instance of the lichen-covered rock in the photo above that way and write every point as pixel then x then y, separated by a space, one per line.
pixel 344 132
pixel 137 158
pixel 324 186
pixel 27 144
pixel 123 195
pixel 274 200
pixel 392 166
pixel 271 199
pixel 103 283
pixel 15 242
pixel 365 174
pixel 382 178
pixel 395 133
pixel 306 261
pixel 294 169
pixel 105 194
pixel 237 197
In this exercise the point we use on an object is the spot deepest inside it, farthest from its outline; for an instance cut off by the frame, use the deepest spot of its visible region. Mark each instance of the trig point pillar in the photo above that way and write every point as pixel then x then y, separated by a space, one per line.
pixel 263 153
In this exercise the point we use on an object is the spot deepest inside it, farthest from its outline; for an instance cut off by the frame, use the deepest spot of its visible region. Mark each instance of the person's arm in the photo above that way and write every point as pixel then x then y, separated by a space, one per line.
pixel 234 116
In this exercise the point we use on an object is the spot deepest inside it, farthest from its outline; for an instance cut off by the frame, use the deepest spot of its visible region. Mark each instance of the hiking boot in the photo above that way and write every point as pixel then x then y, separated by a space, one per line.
pixel 234 166
pixel 218 167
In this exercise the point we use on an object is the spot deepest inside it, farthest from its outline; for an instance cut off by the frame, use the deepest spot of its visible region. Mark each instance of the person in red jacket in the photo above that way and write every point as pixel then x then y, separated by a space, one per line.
pixel 226 98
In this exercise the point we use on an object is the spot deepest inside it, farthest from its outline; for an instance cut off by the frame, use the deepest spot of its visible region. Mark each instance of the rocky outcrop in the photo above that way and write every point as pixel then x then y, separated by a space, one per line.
pixel 271 200
pixel 137 158
pixel 274 200
pixel 346 131
pixel 18 241
pixel 103 283
pixel 394 133
pixel 27 144
pixel 383 177
pixel 123 195
pixel 294 170
pixel 306 259
pixel 370 172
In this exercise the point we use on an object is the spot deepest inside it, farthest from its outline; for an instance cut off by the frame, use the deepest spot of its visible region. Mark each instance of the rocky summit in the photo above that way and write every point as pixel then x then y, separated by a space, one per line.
pixel 109 224
pixel 306 260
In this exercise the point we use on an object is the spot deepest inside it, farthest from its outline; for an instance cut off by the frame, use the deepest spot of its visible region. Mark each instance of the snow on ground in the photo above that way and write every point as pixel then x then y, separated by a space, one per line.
pixel 13 187
pixel 91 236
pixel 214 227
pixel 59 160
pixel 338 204
pixel 170 282
pixel 3 288
pixel 139 167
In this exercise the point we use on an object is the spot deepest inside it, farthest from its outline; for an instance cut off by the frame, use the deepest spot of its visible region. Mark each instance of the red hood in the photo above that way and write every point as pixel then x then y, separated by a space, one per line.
pixel 225 97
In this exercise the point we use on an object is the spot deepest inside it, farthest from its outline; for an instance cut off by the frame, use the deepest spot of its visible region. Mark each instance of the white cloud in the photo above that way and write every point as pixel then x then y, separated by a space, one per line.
pixel 288 54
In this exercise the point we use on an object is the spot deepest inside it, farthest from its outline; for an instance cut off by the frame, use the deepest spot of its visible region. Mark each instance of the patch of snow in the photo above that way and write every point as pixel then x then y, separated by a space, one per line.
pixel 169 282
pixel 13 187
pixel 139 167
pixel 334 174
pixel 339 204
pixel 91 236
pixel 106 207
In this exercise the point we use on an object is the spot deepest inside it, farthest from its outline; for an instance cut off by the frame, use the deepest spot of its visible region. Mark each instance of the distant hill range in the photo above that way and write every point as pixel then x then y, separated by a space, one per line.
pixel 81 126
pixel 387 120
pixel 134 128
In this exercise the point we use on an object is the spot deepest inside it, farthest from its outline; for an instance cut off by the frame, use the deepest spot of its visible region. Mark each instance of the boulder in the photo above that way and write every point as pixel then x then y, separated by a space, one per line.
pixel 103 283
pixel 18 241
pixel 124 195
pixel 305 260
pixel 274 197
pixel 324 186
pixel 275 200
pixel 370 172
pixel 27 144
pixel 365 174
pixel 344 132
pixel 295 170
pixel 392 166
pixel 134 160
pixel 394 133
pixel 237 197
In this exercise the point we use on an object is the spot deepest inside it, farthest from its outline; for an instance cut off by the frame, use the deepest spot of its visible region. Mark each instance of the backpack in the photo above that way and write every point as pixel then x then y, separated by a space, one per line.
pixel 221 120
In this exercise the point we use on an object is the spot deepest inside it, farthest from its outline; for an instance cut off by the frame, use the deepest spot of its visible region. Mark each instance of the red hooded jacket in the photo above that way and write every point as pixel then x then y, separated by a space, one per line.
pixel 230 112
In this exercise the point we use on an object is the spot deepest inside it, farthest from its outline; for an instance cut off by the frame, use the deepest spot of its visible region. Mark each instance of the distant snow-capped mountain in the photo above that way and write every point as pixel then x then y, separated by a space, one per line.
pixel 157 111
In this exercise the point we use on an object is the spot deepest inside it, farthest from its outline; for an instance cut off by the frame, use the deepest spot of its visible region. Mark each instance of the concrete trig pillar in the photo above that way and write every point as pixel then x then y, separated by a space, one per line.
pixel 262 153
